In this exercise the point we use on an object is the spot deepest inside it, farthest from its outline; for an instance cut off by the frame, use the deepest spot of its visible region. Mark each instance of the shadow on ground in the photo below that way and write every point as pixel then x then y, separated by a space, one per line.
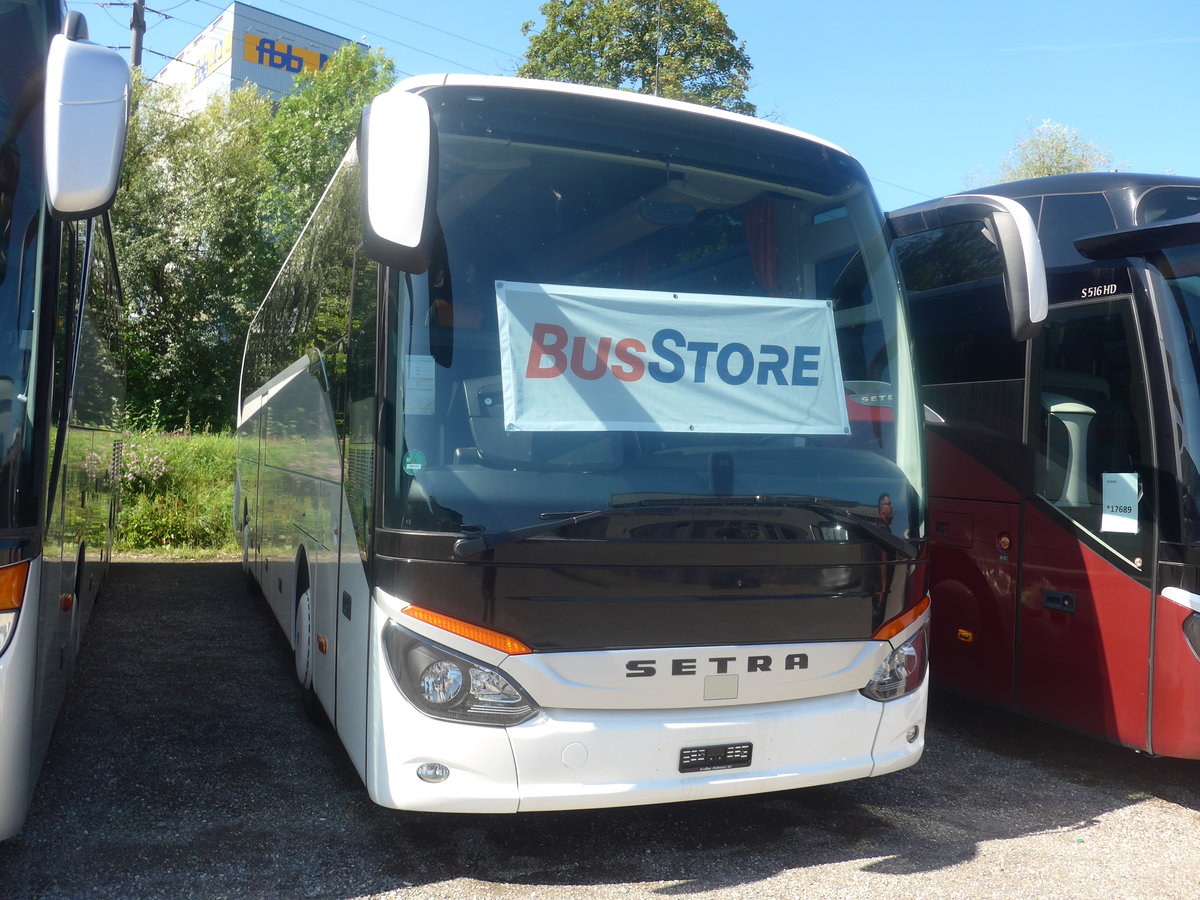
pixel 183 765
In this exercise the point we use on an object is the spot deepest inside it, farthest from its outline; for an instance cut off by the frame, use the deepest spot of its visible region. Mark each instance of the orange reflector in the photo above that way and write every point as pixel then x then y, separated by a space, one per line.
pixel 902 621
pixel 322 644
pixel 12 585
pixel 476 633
pixel 966 636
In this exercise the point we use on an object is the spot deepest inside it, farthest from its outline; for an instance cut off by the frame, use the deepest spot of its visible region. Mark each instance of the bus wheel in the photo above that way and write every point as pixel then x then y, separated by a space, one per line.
pixel 303 639
pixel 304 661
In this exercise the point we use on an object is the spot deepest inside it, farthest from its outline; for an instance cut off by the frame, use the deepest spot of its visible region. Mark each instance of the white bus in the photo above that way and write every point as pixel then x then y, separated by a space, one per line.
pixel 580 454
pixel 63 109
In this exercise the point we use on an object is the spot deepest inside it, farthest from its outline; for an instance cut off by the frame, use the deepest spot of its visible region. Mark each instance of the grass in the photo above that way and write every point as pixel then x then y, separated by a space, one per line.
pixel 177 494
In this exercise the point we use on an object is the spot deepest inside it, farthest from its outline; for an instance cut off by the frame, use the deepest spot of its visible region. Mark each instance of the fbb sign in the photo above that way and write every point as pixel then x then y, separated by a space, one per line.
pixel 599 359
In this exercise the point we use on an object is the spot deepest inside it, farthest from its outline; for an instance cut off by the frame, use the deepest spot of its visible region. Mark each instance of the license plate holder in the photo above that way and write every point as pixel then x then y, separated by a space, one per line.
pixel 715 757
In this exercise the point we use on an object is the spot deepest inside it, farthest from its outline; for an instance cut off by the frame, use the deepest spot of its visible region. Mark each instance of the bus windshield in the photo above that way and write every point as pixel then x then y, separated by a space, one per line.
pixel 653 229
pixel 1179 288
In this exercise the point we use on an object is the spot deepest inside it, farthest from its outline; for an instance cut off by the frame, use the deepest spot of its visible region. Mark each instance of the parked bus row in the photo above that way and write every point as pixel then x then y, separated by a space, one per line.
pixel 578 432
pixel 581 444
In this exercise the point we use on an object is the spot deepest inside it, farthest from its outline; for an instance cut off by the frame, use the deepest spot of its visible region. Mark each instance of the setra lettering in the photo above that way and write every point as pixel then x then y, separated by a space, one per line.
pixel 720 665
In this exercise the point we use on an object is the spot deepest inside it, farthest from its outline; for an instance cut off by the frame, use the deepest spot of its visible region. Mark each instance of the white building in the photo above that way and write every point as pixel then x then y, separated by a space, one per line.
pixel 247 45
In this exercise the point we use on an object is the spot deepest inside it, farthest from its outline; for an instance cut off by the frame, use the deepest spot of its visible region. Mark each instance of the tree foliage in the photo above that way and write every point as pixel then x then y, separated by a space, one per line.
pixel 312 129
pixel 192 255
pixel 209 205
pixel 682 49
pixel 1053 149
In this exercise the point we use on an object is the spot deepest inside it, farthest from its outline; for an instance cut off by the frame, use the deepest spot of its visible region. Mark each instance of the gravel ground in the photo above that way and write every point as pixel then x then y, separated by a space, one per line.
pixel 183 766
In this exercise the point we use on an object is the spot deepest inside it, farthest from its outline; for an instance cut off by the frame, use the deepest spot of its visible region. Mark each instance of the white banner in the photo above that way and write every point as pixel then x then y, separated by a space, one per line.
pixel 604 359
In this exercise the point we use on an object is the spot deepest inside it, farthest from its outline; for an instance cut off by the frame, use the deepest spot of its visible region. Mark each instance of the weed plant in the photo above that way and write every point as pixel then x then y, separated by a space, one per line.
pixel 176 492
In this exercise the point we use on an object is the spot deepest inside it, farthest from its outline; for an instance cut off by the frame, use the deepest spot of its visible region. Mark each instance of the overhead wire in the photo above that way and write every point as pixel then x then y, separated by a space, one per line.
pixel 452 34
pixel 365 31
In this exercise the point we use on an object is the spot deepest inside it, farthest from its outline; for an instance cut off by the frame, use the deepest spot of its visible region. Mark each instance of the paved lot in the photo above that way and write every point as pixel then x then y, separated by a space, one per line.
pixel 184 767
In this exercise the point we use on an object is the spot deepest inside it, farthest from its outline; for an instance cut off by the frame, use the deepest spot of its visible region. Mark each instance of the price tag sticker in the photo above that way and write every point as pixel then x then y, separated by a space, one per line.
pixel 1120 503
pixel 419 383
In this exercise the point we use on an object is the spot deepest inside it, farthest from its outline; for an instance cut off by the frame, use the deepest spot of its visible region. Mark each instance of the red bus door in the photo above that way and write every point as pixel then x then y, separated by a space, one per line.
pixel 1088 534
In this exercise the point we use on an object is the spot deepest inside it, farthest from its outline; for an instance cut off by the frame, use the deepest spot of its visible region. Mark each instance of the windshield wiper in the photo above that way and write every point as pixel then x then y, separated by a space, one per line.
pixel 835 509
pixel 671 504
pixel 840 514
pixel 469 546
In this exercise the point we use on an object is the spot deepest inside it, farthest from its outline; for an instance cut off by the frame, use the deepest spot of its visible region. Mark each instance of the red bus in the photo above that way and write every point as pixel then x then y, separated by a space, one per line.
pixel 1064 491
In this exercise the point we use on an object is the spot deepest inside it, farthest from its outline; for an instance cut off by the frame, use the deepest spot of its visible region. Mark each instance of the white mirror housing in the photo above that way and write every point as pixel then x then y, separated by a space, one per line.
pixel 88 92
pixel 1009 226
pixel 397 152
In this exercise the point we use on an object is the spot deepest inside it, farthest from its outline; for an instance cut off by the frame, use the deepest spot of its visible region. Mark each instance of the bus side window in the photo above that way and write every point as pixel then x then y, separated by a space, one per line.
pixel 359 453
pixel 1093 422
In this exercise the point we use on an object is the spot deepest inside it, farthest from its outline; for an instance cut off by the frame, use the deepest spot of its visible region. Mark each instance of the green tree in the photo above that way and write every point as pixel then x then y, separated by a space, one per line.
pixel 1053 149
pixel 193 258
pixel 682 49
pixel 210 203
pixel 311 131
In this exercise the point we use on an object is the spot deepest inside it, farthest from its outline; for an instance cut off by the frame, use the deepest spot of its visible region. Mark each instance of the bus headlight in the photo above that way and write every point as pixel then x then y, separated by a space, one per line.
pixel 8 624
pixel 12 593
pixel 446 685
pixel 902 672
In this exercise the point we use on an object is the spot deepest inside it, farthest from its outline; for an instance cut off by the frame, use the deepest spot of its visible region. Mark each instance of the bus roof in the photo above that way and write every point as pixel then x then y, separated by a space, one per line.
pixel 421 82
pixel 1084 183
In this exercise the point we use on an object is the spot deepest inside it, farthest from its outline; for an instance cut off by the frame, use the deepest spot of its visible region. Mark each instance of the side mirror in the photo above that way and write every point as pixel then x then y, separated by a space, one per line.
pixel 397 155
pixel 87 100
pixel 1009 226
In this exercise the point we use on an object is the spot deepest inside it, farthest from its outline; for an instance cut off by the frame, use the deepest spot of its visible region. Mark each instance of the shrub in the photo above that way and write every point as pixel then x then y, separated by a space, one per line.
pixel 177 492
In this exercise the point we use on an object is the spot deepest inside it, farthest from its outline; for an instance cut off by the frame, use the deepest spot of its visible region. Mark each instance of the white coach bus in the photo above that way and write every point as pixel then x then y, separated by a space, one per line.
pixel 64 104
pixel 580 454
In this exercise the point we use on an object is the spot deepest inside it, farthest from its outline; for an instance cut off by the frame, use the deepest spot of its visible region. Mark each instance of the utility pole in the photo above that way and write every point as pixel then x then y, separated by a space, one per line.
pixel 137 26
pixel 657 41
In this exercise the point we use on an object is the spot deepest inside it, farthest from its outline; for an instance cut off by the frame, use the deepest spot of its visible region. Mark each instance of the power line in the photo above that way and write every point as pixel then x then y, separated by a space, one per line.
pixel 357 29
pixel 104 4
pixel 244 81
pixel 903 188
pixel 452 34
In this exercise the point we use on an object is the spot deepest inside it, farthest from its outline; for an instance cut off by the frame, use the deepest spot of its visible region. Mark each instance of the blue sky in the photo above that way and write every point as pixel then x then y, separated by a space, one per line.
pixel 924 93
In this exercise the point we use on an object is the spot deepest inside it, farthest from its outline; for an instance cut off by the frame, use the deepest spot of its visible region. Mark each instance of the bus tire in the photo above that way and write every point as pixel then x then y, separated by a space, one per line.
pixel 303 655
pixel 302 639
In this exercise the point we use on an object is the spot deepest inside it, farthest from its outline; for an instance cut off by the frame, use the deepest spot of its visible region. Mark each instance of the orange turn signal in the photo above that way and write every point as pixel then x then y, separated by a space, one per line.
pixel 893 627
pixel 477 633
pixel 12 585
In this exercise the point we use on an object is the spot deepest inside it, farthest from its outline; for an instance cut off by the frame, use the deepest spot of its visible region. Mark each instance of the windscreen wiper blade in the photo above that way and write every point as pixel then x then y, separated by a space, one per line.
pixel 834 509
pixel 477 543
pixel 840 514
pixel 675 504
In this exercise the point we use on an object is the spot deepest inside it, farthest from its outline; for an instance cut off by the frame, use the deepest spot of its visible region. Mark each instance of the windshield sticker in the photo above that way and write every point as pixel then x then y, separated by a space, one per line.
pixel 413 462
pixel 1120 502
pixel 605 359
pixel 418 385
